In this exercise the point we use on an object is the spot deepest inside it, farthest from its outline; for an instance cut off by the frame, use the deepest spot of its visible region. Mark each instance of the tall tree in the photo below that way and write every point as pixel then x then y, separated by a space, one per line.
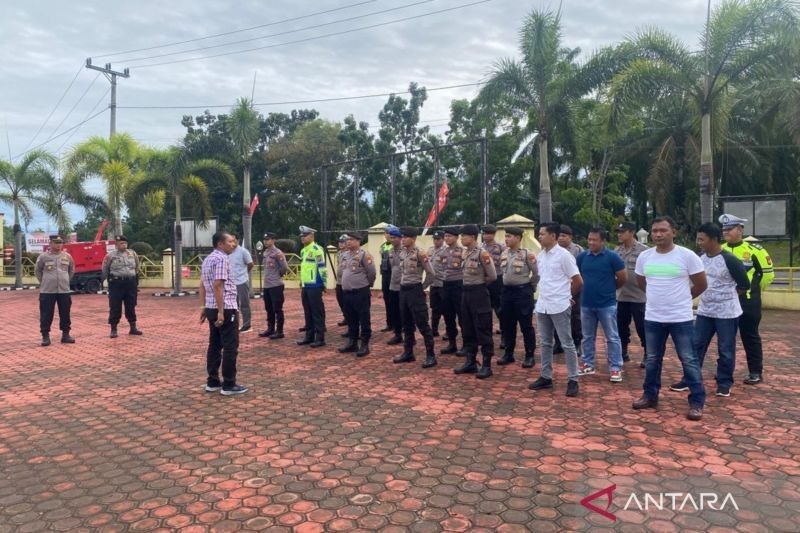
pixel 243 127
pixel 56 194
pixel 22 181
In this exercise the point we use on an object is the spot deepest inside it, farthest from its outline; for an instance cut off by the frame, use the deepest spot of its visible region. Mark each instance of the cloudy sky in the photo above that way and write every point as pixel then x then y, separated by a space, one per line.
pixel 441 43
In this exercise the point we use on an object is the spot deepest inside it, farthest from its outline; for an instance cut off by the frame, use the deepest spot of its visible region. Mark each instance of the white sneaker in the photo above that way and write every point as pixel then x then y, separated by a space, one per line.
pixel 245 330
pixel 210 388
pixel 585 370
pixel 616 376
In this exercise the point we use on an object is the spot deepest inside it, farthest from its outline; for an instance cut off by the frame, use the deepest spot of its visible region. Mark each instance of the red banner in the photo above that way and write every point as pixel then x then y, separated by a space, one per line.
pixel 253 204
pixel 442 202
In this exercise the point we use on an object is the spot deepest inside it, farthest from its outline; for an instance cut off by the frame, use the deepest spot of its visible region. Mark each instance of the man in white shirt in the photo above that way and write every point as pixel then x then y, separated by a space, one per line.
pixel 671 277
pixel 241 264
pixel 559 284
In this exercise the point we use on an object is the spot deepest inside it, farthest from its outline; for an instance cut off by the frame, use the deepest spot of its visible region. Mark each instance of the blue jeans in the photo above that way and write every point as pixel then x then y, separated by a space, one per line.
pixel 607 317
pixel 704 329
pixel 682 334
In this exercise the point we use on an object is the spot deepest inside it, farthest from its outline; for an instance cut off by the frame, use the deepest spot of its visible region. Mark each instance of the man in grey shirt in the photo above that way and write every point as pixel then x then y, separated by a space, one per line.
pixel 241 264
pixel 630 298
pixel 358 275
pixel 54 270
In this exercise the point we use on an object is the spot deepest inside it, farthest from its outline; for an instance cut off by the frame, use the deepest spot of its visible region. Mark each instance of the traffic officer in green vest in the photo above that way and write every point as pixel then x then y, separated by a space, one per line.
pixel 386 271
pixel 313 279
pixel 761 272
pixel 121 270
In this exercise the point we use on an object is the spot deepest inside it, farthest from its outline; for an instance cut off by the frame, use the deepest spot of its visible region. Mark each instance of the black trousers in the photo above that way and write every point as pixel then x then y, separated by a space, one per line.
pixel 339 298
pixel 625 312
pixel 495 295
pixel 517 308
pixel 414 313
pixel 47 309
pixel 314 310
pixel 273 305
pixel 476 320
pixel 223 347
pixel 437 295
pixel 357 313
pixel 575 326
pixel 748 330
pixel 393 315
pixel 451 308
pixel 122 291
pixel 386 278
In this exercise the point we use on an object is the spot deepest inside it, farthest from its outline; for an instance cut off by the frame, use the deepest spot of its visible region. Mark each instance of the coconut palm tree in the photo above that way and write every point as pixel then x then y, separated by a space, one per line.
pixel 56 193
pixel 114 161
pixel 22 181
pixel 243 127
pixel 173 172
pixel 743 40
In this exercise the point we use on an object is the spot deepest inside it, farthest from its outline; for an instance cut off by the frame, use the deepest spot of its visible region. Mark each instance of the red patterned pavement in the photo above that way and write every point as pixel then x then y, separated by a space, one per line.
pixel 118 435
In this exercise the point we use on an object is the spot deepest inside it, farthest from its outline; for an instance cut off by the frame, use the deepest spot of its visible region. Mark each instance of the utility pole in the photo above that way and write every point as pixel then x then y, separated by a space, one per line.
pixel 111 75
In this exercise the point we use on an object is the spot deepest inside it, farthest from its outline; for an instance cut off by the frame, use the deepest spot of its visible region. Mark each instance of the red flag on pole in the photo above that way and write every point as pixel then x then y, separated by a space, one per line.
pixel 442 202
pixel 254 204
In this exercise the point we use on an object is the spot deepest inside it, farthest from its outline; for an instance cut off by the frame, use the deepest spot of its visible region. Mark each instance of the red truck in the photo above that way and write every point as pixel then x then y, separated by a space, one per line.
pixel 88 257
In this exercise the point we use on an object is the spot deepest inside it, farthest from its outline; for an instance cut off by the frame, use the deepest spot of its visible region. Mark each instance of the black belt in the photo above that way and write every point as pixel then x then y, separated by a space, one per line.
pixel 410 287
pixel 520 286
pixel 474 287
pixel 121 278
pixel 454 283
pixel 355 290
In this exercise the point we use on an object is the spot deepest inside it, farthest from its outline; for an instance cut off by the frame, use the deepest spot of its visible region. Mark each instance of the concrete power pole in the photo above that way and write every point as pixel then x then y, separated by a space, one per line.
pixel 111 75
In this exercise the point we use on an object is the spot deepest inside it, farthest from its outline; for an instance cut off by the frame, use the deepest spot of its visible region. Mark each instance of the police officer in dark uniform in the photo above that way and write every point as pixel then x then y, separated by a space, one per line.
pixel 452 288
pixel 520 276
pixel 339 295
pixel 476 304
pixel 413 308
pixel 438 260
pixel 495 249
pixel 393 303
pixel 121 268
pixel 386 273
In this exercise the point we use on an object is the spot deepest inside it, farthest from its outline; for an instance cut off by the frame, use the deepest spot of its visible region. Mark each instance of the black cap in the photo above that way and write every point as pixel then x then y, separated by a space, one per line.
pixel 452 230
pixel 566 230
pixel 513 230
pixel 438 234
pixel 409 231
pixel 489 228
pixel 626 226
pixel 56 238
pixel 268 235
pixel 121 238
pixel 470 229
pixel 354 235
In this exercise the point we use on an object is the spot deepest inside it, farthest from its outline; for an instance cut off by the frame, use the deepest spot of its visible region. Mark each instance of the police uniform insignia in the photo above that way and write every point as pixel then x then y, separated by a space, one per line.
pixel 424 257
pixel 369 259
pixel 532 258
pixel 486 257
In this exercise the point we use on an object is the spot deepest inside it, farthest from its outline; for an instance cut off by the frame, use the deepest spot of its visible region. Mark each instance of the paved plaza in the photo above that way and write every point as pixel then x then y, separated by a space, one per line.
pixel 118 435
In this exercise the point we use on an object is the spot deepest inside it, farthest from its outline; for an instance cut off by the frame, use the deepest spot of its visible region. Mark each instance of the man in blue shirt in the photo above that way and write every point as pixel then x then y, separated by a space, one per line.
pixel 241 264
pixel 603 272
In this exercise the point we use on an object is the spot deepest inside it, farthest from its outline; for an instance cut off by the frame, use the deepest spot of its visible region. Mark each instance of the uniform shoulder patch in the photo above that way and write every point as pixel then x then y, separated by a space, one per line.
pixel 423 256
pixel 756 246
pixel 486 257
pixel 531 257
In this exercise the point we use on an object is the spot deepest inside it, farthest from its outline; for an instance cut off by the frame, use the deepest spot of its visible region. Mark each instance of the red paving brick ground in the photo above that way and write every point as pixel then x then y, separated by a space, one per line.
pixel 116 435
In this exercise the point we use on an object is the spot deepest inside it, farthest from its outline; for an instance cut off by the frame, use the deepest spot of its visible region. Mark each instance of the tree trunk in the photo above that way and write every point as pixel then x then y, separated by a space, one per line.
pixel 17 249
pixel 247 222
pixel 178 258
pixel 706 172
pixel 545 198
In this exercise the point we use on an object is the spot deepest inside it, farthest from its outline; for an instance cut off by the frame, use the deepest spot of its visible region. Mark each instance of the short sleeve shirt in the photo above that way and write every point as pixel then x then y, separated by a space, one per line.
pixel 669 288
pixel 216 267
pixel 239 259
pixel 599 272
pixel 557 267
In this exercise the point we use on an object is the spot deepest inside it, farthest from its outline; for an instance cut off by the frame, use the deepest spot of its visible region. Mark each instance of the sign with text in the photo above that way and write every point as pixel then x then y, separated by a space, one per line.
pixel 37 241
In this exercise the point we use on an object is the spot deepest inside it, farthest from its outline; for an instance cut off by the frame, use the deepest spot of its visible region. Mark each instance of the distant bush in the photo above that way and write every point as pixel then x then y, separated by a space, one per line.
pixel 142 248
pixel 287 246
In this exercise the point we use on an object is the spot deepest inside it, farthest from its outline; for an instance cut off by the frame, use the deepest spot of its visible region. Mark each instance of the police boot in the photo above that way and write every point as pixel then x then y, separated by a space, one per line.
pixel 114 333
pixel 278 334
pixel 270 331
pixel 134 330
pixel 528 362
pixel 363 348
pixel 430 359
pixel 319 341
pixel 46 340
pixel 349 347
pixel 451 348
pixel 394 340
pixel 507 359
pixel 408 353
pixel 486 367
pixel 308 339
pixel 462 352
pixel 66 339
pixel 469 366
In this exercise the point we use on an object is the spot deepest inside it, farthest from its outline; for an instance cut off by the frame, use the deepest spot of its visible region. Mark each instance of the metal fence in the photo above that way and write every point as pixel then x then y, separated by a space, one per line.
pixel 787 279
pixel 28 267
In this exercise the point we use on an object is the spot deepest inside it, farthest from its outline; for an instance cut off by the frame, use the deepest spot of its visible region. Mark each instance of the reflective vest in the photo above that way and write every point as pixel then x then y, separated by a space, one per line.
pixel 313 272
pixel 756 261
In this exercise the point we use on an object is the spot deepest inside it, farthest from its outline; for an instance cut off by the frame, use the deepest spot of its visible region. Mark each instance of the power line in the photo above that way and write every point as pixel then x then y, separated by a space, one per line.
pixel 54 109
pixel 74 106
pixel 313 101
pixel 85 119
pixel 76 126
pixel 323 36
pixel 294 19
pixel 287 32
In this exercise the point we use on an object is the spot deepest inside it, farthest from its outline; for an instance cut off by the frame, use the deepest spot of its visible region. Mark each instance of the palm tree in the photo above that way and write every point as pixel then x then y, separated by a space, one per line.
pixel 173 172
pixel 22 181
pixel 743 41
pixel 542 89
pixel 56 193
pixel 243 125
pixel 114 161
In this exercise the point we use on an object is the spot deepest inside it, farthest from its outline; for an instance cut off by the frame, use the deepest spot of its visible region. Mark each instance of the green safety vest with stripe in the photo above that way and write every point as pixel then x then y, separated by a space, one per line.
pixel 313 270
pixel 757 262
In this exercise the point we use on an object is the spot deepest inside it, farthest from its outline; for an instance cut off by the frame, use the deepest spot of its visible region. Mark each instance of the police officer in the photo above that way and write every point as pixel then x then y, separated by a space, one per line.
pixel 386 271
pixel 495 249
pixel 520 276
pixel 121 268
pixel 631 299
pixel 339 299
pixel 313 278
pixel 476 304
pixel 452 288
pixel 274 266
pixel 761 272
pixel 438 260
pixel 393 304
pixel 54 270
pixel 413 308
pixel 358 276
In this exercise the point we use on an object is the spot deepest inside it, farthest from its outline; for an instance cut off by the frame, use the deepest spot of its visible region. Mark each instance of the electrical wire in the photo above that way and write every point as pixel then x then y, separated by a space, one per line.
pixel 75 77
pixel 74 106
pixel 85 119
pixel 76 126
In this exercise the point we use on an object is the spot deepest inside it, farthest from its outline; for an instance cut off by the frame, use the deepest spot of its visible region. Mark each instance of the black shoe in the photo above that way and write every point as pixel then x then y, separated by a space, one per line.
pixel 528 362
pixel 680 386
pixel 498 332
pixel 66 339
pixel 643 364
pixel 430 360
pixel 306 340
pixel 486 368
pixel 387 328
pixel 753 379
pixel 136 331
pixel 469 366
pixel 445 337
pixel 363 349
pixel 451 348
pixel 461 353
pixel 350 347
pixel 114 333
pixel 319 342
pixel 645 403
pixel 435 333
pixel 233 390
pixel 502 345
pixel 541 383
pixel 394 340
pixel 45 340
pixel 695 413
pixel 342 323
pixel 277 335
pixel 302 329
pixel 267 333
pixel 405 357
pixel 572 388
pixel 507 359
pixel 626 358
pixel 723 391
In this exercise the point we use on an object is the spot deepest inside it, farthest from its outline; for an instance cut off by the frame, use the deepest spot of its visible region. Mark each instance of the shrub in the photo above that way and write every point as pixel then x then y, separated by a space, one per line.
pixel 287 246
pixel 142 248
